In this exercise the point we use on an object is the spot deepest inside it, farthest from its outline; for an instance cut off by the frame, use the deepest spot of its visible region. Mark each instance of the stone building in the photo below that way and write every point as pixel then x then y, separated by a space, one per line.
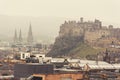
pixel 18 39
pixel 91 30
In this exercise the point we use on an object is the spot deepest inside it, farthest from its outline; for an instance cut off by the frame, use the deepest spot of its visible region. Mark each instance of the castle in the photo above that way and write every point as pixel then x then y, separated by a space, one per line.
pixel 91 30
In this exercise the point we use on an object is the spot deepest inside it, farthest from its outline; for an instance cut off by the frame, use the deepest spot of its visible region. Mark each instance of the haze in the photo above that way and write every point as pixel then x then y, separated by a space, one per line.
pixel 47 15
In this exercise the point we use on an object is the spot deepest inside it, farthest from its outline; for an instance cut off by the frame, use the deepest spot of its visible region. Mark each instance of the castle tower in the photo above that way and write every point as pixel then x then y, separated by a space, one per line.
pixel 15 37
pixel 30 35
pixel 20 36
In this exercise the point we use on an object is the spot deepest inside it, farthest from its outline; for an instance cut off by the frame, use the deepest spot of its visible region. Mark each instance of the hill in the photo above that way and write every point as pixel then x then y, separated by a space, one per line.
pixel 82 50
pixel 72 47
pixel 63 45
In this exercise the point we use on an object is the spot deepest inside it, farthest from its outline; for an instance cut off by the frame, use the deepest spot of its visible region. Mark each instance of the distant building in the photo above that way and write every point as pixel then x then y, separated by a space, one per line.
pixel 15 37
pixel 91 31
pixel 30 35
pixel 24 55
pixel 20 37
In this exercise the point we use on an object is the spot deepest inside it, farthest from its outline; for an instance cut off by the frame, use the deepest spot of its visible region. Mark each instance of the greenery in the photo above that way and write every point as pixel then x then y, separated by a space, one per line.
pixel 73 47
pixel 82 50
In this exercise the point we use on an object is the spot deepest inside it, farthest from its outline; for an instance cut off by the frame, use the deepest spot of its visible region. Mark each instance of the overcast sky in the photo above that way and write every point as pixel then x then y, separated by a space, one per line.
pixel 108 11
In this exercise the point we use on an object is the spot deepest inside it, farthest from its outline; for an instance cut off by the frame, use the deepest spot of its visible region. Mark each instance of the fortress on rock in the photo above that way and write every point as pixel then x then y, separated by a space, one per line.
pixel 91 30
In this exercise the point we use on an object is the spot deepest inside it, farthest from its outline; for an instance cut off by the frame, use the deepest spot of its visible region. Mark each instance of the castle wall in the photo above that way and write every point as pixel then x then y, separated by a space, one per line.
pixel 70 29
pixel 91 36
pixel 92 31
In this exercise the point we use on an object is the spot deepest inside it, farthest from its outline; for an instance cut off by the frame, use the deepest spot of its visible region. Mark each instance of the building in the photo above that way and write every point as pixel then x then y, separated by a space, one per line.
pixel 58 76
pixel 19 39
pixel 15 37
pixel 36 54
pixel 24 55
pixel 89 70
pixel 23 71
pixel 88 28
pixel 30 35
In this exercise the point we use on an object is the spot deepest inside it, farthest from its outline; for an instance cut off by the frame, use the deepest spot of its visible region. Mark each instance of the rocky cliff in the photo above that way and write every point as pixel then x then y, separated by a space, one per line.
pixel 64 45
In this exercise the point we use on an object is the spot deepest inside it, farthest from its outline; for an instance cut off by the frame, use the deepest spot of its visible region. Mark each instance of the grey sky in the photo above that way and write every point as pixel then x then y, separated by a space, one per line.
pixel 62 8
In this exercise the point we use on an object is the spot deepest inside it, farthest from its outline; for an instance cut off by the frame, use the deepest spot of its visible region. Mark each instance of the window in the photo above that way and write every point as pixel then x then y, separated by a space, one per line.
pixel 23 55
pixel 37 78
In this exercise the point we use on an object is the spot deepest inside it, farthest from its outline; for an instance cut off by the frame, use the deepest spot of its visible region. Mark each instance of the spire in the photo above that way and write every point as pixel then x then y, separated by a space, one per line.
pixel 15 37
pixel 20 36
pixel 30 35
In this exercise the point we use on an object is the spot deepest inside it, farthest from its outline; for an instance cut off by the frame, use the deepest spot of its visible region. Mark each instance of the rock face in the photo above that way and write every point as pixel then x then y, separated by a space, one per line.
pixel 63 45
pixel 72 33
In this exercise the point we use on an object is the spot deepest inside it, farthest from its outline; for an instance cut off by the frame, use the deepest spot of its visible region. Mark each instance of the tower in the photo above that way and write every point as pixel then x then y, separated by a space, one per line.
pixel 20 36
pixel 15 37
pixel 30 35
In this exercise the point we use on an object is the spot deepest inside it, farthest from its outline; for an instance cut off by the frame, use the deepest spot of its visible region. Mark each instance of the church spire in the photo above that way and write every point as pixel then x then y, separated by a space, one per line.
pixel 15 37
pixel 20 36
pixel 30 35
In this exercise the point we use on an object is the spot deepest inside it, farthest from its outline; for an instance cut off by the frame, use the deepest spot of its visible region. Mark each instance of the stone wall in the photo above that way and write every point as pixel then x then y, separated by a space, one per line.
pixel 91 36
pixel 91 30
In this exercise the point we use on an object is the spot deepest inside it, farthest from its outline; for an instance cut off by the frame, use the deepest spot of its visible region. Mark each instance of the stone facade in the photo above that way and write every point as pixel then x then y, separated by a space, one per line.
pixel 91 30
pixel 60 76
pixel 92 36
